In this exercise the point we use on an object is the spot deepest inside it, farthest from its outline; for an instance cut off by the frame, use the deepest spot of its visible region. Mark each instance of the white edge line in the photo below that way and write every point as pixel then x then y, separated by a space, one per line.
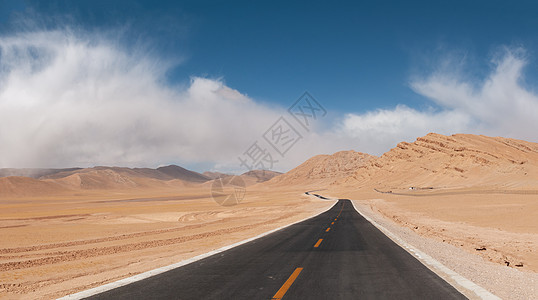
pixel 147 274
pixel 432 263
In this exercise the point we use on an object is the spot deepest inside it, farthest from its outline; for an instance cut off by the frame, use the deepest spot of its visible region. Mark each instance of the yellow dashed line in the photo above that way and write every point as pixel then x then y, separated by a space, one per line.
pixel 287 284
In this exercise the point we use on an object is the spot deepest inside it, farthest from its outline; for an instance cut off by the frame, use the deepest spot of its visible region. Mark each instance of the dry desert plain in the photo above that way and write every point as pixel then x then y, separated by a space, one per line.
pixel 55 246
pixel 474 196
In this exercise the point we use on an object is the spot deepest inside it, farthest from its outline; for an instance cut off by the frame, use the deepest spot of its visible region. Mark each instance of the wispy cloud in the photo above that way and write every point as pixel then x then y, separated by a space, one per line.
pixel 379 130
pixel 497 105
pixel 77 99
pixel 71 98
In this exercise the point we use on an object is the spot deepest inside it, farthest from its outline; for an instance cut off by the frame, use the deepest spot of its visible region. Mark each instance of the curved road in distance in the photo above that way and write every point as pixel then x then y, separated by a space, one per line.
pixel 336 255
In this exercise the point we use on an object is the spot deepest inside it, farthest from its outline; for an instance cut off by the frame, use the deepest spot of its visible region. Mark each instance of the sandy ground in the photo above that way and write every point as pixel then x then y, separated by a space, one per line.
pixel 499 227
pixel 52 247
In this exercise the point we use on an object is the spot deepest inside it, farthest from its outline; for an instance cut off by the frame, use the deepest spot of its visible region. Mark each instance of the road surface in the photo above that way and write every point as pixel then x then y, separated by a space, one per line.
pixel 336 255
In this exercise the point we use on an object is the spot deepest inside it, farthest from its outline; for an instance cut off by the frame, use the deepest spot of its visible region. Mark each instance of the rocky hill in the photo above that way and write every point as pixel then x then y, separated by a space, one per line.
pixel 460 160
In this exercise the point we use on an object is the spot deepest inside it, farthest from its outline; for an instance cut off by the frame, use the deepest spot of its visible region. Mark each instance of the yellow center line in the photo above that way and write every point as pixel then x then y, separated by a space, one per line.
pixel 341 210
pixel 335 219
pixel 318 243
pixel 287 284
pixel 328 229
pixel 332 223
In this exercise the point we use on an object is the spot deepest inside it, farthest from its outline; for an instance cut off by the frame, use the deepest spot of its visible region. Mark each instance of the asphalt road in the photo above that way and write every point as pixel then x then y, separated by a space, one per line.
pixel 351 260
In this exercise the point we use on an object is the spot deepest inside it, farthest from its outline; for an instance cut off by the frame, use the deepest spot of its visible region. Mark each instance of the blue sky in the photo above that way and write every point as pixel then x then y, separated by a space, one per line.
pixel 365 62
pixel 355 56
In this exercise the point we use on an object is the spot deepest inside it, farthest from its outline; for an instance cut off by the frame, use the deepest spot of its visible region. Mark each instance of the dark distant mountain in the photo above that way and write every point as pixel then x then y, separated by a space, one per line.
pixel 26 182
pixel 261 175
pixel 33 173
pixel 162 173
pixel 250 177
pixel 215 175
pixel 177 172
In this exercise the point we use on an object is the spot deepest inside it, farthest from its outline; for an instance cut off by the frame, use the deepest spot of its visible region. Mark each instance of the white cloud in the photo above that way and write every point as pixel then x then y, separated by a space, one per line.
pixel 379 130
pixel 72 99
pixel 498 105
pixel 67 100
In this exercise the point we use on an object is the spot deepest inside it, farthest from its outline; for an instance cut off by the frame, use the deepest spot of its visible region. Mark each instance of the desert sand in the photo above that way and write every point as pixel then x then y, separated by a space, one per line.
pixel 56 246
pixel 73 230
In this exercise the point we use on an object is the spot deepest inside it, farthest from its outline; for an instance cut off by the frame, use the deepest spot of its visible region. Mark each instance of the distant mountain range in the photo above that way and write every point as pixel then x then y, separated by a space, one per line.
pixel 32 182
pixel 435 160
